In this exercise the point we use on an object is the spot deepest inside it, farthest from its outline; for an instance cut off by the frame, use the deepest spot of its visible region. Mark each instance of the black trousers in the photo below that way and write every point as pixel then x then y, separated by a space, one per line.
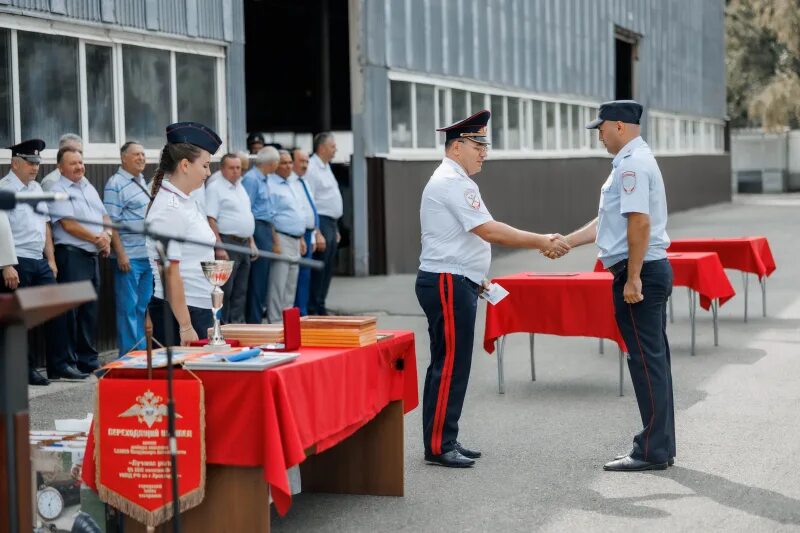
pixel 202 319
pixel 75 264
pixel 644 329
pixel 450 303
pixel 36 273
pixel 235 289
pixel 258 279
pixel 321 279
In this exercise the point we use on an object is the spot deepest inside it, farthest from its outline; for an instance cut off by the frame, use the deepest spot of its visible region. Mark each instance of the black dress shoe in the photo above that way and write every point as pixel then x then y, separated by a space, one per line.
pixel 630 464
pixel 470 454
pixel 87 369
pixel 35 378
pixel 68 372
pixel 451 459
pixel 670 462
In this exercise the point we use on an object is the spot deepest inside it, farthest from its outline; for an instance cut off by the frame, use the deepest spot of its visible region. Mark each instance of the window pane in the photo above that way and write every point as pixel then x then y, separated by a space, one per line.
pixel 498 122
pixel 426 126
pixel 669 134
pixel 146 78
pixel 513 124
pixel 401 114
pixel 48 84
pixel 527 126
pixel 577 134
pixel 538 137
pixel 441 119
pixel 6 102
pixel 564 122
pixel 100 94
pixel 477 103
pixel 459 108
pixel 550 126
pixel 193 72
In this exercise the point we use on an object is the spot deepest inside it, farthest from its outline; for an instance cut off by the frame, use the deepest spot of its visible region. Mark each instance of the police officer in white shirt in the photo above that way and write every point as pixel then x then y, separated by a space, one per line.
pixel 328 200
pixel 183 167
pixel 229 215
pixel 71 140
pixel 630 232
pixel 33 245
pixel 457 233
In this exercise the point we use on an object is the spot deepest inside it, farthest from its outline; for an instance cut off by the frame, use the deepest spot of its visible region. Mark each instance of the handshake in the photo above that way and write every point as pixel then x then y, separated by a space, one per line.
pixel 556 247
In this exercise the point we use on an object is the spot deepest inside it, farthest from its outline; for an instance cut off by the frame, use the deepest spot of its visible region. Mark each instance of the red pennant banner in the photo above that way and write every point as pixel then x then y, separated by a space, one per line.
pixel 132 446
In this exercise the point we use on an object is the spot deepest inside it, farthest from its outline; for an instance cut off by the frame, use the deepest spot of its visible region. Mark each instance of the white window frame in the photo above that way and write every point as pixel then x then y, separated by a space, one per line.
pixel 115 39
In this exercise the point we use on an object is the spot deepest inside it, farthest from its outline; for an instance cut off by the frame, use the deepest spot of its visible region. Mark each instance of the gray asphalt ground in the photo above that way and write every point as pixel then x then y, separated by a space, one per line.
pixel 544 442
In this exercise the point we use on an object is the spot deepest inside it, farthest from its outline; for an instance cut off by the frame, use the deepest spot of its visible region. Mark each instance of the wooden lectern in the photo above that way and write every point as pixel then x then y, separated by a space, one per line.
pixel 20 311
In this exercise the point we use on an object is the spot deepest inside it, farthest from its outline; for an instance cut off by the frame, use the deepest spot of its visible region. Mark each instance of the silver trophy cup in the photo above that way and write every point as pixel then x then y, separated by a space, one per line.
pixel 217 272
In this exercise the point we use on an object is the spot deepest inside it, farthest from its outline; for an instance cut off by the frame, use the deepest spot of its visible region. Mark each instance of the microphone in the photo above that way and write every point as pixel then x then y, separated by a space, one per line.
pixel 10 199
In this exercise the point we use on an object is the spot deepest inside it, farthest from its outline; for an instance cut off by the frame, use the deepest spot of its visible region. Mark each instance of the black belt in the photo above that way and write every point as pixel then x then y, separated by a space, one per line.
pixel 235 238
pixel 289 235
pixel 73 248
pixel 618 267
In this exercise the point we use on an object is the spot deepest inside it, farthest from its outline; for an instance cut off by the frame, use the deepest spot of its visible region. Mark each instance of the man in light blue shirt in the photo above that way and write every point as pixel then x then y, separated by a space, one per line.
pixel 630 232
pixel 255 183
pixel 77 246
pixel 126 198
pixel 289 221
pixel 299 167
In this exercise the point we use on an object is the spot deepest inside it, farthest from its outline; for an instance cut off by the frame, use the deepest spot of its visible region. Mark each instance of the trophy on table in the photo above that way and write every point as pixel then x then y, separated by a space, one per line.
pixel 217 272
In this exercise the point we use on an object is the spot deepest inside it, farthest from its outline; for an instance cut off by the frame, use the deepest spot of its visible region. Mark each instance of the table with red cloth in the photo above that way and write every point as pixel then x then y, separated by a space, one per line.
pixel 558 303
pixel 703 274
pixel 750 255
pixel 270 419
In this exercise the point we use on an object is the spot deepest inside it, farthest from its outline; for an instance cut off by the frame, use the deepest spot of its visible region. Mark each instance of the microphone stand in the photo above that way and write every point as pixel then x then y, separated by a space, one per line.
pixel 162 243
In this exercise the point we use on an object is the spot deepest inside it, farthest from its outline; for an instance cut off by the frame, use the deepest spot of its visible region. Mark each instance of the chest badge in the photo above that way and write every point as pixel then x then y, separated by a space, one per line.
pixel 473 198
pixel 628 181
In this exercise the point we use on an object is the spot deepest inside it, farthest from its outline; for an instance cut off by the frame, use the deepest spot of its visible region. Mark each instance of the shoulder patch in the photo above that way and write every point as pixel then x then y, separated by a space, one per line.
pixel 473 198
pixel 628 181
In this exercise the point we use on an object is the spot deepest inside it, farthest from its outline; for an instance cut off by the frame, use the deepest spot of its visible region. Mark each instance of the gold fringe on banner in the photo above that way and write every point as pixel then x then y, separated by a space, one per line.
pixel 164 513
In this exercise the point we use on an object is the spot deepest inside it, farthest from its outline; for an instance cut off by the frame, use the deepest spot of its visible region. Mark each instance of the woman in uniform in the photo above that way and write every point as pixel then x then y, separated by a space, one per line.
pixel 183 168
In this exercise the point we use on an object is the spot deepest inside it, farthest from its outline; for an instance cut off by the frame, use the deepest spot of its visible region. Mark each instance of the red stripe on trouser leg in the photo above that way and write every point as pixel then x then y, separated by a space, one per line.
pixel 447 367
pixel 436 436
pixel 649 385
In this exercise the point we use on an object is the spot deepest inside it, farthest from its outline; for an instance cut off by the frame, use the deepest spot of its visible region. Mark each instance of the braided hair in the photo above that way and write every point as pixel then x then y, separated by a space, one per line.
pixel 171 155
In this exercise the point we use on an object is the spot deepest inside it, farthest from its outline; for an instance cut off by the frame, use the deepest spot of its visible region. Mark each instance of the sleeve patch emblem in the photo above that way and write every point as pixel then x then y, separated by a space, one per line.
pixel 629 181
pixel 473 198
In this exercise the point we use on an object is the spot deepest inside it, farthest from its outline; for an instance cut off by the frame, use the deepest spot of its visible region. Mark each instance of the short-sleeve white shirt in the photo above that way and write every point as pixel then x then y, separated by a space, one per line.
pixel 177 214
pixel 451 207
pixel 229 204
pixel 28 226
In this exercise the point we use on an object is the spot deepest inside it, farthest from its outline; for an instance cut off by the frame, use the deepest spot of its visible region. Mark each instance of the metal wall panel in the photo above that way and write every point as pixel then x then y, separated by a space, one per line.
pixel 172 16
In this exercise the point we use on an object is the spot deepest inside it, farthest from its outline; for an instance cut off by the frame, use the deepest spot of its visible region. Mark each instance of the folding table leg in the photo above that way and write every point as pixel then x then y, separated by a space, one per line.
pixel 621 370
pixel 763 282
pixel 746 281
pixel 601 351
pixel 692 314
pixel 533 362
pixel 715 313
pixel 501 382
pixel 671 316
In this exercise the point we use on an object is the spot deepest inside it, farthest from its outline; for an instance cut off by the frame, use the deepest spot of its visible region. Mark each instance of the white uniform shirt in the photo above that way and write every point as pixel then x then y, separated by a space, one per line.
pixel 308 210
pixel 324 188
pixel 176 214
pixel 635 185
pixel 7 255
pixel 451 207
pixel 229 204
pixel 50 179
pixel 29 227
pixel 85 203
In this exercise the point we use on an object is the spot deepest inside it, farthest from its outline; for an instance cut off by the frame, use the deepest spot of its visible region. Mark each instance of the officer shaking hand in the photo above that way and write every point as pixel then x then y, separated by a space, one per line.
pixel 457 234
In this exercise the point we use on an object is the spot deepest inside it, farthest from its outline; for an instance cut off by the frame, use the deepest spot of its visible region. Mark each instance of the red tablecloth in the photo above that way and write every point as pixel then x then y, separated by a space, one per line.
pixel 577 304
pixel 748 254
pixel 700 271
pixel 270 418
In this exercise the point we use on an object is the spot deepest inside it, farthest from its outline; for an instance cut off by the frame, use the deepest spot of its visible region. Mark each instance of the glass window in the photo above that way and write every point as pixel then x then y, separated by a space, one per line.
pixel 477 102
pixel 536 126
pixel 498 123
pixel 550 126
pixel 514 130
pixel 441 119
pixel 6 101
pixel 401 114
pixel 146 80
pixel 196 77
pixel 48 83
pixel 686 140
pixel 459 107
pixel 564 122
pixel 100 93
pixel 594 137
pixel 577 134
pixel 426 125
pixel 527 126
pixel 670 135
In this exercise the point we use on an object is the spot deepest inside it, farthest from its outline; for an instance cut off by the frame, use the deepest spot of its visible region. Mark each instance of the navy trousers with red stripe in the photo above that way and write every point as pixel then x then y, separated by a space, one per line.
pixel 450 302
pixel 644 328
